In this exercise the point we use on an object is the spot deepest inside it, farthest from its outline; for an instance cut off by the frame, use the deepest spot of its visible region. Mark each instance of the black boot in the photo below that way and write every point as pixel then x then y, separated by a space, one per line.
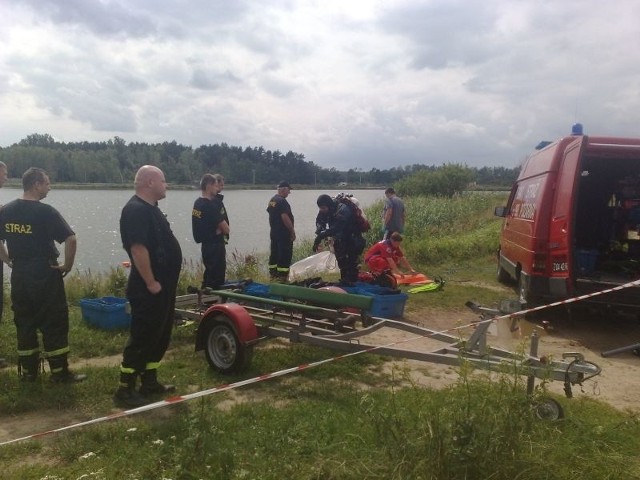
pixel 60 372
pixel 126 395
pixel 28 367
pixel 67 376
pixel 151 386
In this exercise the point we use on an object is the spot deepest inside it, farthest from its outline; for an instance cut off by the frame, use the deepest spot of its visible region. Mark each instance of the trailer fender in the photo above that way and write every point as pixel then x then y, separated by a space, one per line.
pixel 231 313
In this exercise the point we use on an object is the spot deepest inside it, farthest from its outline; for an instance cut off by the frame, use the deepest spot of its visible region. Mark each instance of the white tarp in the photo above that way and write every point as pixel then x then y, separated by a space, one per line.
pixel 312 266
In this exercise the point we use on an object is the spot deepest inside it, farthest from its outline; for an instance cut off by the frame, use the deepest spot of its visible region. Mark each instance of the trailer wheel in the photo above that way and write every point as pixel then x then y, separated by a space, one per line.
pixel 548 409
pixel 224 350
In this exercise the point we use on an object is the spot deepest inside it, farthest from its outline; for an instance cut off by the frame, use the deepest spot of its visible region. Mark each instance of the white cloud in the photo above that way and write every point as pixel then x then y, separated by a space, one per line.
pixel 356 84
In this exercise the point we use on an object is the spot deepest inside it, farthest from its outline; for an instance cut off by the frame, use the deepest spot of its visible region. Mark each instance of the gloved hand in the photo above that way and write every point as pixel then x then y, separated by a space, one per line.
pixel 316 244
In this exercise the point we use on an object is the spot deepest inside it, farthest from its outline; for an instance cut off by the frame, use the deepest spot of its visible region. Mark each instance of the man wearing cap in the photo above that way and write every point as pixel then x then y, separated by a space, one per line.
pixel 282 233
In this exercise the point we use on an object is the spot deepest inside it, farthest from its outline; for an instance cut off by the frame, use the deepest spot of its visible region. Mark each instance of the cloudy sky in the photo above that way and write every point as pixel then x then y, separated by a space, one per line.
pixel 347 83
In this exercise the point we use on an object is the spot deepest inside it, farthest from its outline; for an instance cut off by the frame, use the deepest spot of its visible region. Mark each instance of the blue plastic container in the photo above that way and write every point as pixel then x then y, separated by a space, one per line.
pixel 387 303
pixel 586 261
pixel 106 313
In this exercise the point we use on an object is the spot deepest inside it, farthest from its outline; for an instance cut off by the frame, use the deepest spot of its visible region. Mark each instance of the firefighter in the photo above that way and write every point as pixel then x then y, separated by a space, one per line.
pixel 282 233
pixel 156 260
pixel 336 220
pixel 209 228
pixel 30 229
pixel 3 179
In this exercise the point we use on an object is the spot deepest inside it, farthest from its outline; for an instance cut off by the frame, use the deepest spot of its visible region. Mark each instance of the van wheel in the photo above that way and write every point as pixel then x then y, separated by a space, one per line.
pixel 502 275
pixel 525 298
pixel 523 292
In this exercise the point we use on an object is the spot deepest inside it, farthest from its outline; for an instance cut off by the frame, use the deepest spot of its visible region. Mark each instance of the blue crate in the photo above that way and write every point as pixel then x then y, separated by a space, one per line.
pixel 106 313
pixel 586 260
pixel 387 303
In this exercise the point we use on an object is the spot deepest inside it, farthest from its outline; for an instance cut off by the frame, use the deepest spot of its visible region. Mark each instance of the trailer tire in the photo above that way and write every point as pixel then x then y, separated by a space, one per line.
pixel 548 409
pixel 224 350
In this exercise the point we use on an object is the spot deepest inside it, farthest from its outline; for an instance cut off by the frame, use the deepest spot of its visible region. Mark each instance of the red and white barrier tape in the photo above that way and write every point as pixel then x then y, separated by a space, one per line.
pixel 634 283
pixel 182 398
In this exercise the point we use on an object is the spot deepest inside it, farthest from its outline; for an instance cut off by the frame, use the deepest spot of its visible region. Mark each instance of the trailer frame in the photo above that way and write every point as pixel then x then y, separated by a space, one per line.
pixel 228 331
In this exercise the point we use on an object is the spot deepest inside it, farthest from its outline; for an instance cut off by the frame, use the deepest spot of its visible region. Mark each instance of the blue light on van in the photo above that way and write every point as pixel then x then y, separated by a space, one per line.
pixel 576 129
pixel 542 144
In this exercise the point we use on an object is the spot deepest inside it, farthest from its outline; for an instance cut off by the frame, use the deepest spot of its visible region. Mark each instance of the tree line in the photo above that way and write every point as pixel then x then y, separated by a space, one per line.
pixel 116 161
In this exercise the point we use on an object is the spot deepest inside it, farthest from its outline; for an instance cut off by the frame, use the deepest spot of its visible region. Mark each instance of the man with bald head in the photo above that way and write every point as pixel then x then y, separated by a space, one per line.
pixel 156 260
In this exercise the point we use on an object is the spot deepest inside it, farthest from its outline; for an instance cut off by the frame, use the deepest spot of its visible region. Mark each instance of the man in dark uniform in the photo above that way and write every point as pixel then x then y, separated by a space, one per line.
pixel 3 179
pixel 209 228
pixel 156 260
pixel 282 233
pixel 38 298
pixel 336 220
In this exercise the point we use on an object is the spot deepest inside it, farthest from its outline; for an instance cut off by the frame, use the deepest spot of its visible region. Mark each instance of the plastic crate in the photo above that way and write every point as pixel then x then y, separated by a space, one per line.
pixel 389 306
pixel 387 303
pixel 586 260
pixel 106 313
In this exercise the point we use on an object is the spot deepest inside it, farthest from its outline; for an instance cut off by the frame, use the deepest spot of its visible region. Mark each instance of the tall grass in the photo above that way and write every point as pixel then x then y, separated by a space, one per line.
pixel 89 284
pixel 441 230
pixel 314 426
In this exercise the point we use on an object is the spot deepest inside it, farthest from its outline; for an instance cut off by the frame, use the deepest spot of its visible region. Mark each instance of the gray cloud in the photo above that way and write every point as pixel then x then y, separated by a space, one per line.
pixel 350 85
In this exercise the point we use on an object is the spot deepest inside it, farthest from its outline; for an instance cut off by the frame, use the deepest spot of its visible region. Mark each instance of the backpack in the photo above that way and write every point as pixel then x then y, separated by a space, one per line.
pixel 360 218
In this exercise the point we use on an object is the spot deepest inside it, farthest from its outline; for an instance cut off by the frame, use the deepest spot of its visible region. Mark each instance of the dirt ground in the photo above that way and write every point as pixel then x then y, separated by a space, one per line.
pixel 590 335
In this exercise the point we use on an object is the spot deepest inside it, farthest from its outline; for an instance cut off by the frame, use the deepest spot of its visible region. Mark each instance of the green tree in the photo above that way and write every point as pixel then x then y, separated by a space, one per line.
pixel 446 181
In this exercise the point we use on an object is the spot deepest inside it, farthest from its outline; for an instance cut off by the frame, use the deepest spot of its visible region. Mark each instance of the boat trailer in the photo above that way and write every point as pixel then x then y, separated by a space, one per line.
pixel 230 324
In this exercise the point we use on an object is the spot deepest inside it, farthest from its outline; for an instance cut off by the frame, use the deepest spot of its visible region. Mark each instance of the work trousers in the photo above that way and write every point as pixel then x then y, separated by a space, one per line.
pixel 39 303
pixel 348 257
pixel 152 319
pixel 280 255
pixel 214 258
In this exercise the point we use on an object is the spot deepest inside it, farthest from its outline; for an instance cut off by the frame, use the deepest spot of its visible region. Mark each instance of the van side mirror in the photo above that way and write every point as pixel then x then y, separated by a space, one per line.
pixel 500 212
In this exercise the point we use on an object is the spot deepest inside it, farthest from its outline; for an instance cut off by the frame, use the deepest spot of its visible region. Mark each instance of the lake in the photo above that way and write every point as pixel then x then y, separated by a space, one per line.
pixel 94 215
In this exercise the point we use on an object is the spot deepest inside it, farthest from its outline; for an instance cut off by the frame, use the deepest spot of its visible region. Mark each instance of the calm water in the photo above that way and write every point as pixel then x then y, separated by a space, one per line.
pixel 94 216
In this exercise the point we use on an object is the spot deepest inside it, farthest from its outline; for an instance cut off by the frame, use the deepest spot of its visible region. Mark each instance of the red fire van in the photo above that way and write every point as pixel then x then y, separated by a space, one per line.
pixel 572 222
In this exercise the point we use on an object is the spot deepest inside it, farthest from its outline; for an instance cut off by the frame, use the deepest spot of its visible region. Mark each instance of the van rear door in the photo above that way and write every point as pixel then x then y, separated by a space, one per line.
pixel 561 241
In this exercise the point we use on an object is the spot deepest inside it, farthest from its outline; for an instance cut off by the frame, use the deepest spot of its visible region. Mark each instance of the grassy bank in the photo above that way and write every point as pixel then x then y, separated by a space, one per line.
pixel 348 419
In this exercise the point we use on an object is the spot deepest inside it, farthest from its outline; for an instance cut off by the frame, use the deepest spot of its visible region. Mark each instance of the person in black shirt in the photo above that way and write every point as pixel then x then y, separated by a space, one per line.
pixel 210 229
pixel 3 179
pixel 156 261
pixel 282 233
pixel 30 229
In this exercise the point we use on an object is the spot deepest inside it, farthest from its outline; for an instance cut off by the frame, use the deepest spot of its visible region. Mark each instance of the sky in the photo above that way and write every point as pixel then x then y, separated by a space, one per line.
pixel 350 84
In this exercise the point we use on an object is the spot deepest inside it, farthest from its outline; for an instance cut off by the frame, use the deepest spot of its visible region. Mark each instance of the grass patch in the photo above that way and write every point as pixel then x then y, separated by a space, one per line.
pixel 336 429
pixel 348 419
